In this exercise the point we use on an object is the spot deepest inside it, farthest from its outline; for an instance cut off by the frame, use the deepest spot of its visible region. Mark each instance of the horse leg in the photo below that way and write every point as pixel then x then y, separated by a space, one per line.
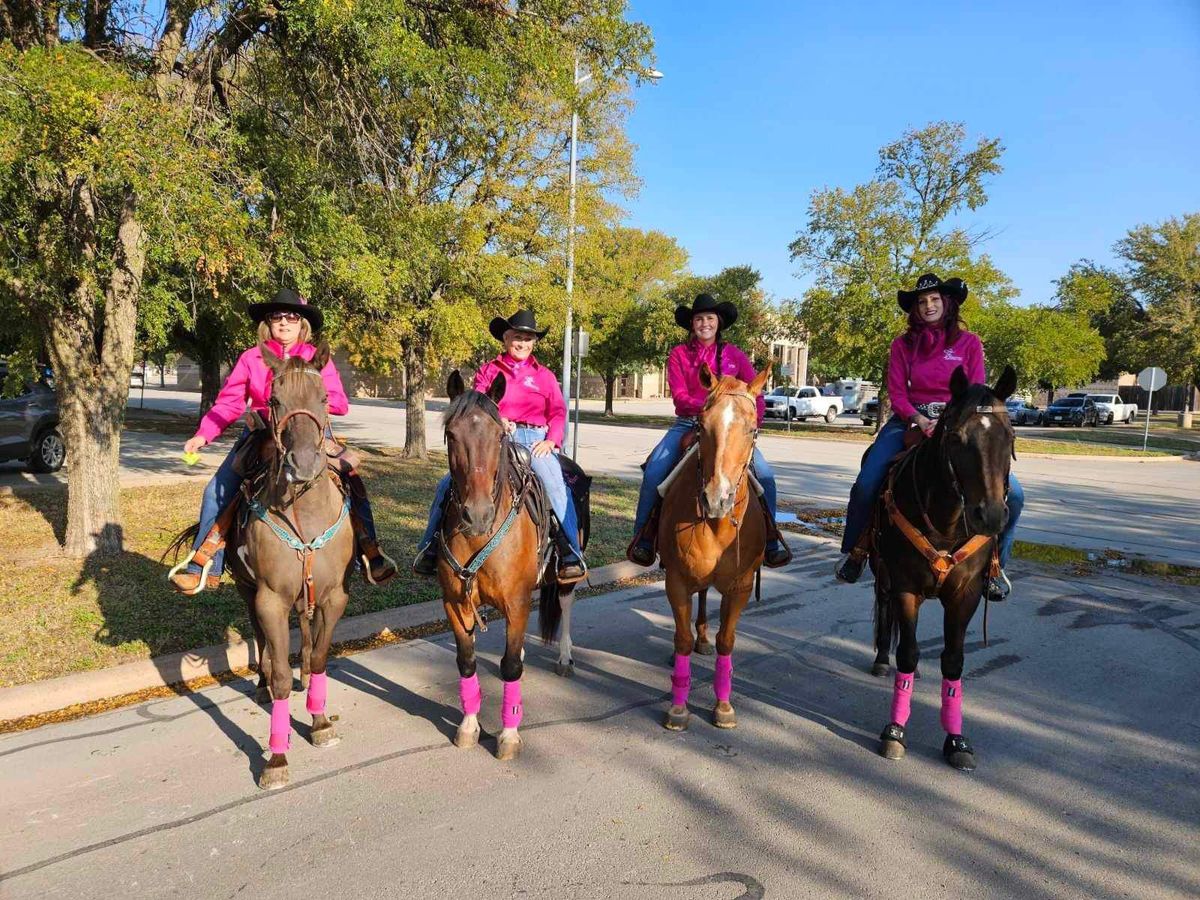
pixel 272 613
pixel 732 605
pixel 703 646
pixel 957 749
pixel 883 631
pixel 681 676
pixel 306 628
pixel 903 609
pixel 325 619
pixel 262 690
pixel 565 665
pixel 512 667
pixel 469 695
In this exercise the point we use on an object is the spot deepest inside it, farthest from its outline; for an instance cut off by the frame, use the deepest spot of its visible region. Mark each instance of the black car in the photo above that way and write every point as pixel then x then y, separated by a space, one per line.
pixel 29 426
pixel 870 411
pixel 1076 411
pixel 1022 412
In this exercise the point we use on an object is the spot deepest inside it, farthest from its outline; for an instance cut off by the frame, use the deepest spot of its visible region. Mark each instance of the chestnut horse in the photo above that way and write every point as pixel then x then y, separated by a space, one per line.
pixel 491 550
pixel 712 533
pixel 940 515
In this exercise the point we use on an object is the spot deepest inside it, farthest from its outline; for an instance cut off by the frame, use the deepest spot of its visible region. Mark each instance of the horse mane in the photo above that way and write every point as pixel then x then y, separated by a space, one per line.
pixel 467 401
pixel 956 410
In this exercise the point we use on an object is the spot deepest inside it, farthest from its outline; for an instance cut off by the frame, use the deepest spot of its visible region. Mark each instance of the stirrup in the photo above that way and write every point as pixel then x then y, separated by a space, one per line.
pixel 203 574
pixel 366 564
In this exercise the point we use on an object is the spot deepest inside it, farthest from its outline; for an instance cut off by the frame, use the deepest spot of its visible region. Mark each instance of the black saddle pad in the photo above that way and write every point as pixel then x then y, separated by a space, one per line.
pixel 579 483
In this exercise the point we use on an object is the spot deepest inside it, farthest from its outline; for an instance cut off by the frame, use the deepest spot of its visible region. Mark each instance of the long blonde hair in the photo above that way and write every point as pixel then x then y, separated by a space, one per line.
pixel 264 332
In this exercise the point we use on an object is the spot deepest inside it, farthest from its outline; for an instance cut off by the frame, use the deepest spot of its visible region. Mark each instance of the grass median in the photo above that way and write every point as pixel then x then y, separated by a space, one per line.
pixel 60 615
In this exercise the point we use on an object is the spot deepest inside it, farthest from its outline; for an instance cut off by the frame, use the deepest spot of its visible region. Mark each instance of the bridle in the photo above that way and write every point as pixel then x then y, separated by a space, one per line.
pixel 280 424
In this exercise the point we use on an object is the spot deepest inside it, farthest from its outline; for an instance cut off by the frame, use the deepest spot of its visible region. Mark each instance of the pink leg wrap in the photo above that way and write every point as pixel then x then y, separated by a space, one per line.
pixel 723 677
pixel 681 680
pixel 318 693
pixel 512 711
pixel 281 727
pixel 902 697
pixel 470 695
pixel 952 706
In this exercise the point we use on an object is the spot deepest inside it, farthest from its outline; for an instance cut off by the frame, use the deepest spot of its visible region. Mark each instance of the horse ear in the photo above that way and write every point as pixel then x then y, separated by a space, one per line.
pixel 959 383
pixel 759 382
pixel 454 385
pixel 273 362
pixel 707 379
pixel 1007 384
pixel 254 421
pixel 321 357
pixel 496 389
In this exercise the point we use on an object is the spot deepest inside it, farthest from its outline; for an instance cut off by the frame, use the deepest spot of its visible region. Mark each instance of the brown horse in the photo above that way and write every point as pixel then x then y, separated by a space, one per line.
pixel 294 553
pixel 712 533
pixel 491 550
pixel 942 509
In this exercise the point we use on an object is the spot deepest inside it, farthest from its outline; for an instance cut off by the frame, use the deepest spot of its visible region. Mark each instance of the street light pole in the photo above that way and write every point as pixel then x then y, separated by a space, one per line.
pixel 566 367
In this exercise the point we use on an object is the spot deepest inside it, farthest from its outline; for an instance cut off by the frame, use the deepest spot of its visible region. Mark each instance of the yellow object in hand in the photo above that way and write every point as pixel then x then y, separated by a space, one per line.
pixel 191 458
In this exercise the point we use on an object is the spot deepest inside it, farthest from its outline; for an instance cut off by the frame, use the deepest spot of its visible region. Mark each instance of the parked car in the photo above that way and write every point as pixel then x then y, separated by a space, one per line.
pixel 1072 411
pixel 1022 412
pixel 802 403
pixel 870 411
pixel 1111 409
pixel 29 426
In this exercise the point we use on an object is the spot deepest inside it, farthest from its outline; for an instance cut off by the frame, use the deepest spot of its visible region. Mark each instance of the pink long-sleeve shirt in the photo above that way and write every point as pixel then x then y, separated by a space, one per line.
pixel 250 380
pixel 531 394
pixel 683 374
pixel 923 375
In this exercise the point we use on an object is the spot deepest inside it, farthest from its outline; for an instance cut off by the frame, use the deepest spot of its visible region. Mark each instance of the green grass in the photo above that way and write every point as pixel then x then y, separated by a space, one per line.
pixel 61 615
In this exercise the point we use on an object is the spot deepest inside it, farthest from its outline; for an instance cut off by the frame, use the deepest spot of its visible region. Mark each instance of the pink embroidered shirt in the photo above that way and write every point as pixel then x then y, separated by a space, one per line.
pixel 923 375
pixel 250 380
pixel 683 374
pixel 531 394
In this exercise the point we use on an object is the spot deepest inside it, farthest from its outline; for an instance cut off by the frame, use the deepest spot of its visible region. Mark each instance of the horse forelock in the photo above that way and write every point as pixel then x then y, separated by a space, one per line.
pixel 727 385
pixel 467 401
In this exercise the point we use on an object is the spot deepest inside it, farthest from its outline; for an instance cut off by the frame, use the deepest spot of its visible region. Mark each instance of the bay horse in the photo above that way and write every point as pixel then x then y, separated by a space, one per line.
pixel 939 518
pixel 291 549
pixel 491 550
pixel 713 533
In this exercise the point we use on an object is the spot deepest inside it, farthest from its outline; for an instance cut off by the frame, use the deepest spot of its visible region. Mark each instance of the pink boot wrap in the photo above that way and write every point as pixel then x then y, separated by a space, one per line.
pixel 281 727
pixel 511 713
pixel 681 680
pixel 318 693
pixel 902 697
pixel 723 677
pixel 952 706
pixel 470 695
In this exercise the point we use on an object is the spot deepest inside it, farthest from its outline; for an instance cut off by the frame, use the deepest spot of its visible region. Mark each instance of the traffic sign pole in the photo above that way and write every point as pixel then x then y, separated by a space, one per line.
pixel 1150 379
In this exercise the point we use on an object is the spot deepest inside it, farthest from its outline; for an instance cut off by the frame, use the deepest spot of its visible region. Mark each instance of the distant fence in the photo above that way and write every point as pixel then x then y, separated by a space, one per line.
pixel 1172 397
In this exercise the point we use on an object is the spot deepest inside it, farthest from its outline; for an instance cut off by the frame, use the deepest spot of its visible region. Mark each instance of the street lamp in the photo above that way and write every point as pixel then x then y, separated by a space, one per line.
pixel 653 75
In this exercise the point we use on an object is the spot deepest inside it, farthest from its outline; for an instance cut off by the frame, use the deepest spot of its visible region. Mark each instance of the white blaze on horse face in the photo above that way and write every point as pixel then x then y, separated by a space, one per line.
pixel 986 423
pixel 727 418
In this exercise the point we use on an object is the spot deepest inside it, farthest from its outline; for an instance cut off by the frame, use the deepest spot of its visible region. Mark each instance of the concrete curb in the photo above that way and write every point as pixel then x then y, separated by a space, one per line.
pixel 160 671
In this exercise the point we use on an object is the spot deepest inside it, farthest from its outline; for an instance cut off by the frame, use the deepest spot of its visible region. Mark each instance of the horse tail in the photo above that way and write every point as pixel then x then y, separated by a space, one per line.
pixel 183 540
pixel 549 606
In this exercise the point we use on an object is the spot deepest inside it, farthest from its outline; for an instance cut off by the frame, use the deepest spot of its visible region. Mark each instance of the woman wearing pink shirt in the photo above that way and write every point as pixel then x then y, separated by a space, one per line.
pixel 704 321
pixel 919 369
pixel 532 409
pixel 285 327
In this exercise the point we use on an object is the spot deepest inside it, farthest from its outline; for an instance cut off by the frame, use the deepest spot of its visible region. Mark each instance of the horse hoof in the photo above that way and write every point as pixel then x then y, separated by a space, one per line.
pixel 465 738
pixel 723 715
pixel 508 749
pixel 891 742
pixel 304 679
pixel 676 719
pixel 704 648
pixel 273 777
pixel 325 737
pixel 262 695
pixel 958 752
pixel 880 669
pixel 565 671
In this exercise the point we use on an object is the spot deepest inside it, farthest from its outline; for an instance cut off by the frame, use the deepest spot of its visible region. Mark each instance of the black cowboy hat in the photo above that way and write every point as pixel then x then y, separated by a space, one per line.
pixel 521 320
pixel 288 301
pixel 953 287
pixel 703 303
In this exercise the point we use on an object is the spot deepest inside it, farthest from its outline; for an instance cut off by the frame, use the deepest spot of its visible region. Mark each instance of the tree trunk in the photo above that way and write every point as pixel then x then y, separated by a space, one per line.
pixel 610 383
pixel 416 349
pixel 210 381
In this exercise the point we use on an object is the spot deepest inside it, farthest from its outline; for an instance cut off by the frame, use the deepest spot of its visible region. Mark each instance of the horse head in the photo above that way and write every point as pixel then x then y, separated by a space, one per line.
pixel 474 439
pixel 976 440
pixel 299 413
pixel 728 428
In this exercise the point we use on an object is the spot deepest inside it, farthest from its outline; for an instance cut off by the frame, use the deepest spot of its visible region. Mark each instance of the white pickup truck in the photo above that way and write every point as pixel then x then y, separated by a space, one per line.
pixel 1111 409
pixel 802 403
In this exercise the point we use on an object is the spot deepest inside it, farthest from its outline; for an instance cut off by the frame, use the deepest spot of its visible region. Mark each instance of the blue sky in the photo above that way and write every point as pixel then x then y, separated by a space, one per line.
pixel 761 103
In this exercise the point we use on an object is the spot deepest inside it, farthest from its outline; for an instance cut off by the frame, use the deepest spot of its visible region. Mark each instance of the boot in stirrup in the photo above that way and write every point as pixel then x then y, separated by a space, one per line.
pixel 378 567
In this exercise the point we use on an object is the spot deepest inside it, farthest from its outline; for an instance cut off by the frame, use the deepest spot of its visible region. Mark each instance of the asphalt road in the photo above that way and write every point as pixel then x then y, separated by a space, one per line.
pixel 1082 713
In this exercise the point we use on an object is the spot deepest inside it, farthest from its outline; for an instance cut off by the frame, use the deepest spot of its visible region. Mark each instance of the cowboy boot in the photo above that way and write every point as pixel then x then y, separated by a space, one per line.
pixel 189 583
pixel 426 562
pixel 641 549
pixel 192 583
pixel 571 567
pixel 378 567
pixel 998 587
pixel 851 568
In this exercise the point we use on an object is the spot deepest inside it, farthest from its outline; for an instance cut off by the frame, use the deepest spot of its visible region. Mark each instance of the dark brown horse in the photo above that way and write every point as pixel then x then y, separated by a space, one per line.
pixel 491 551
pixel 940 515
pixel 712 533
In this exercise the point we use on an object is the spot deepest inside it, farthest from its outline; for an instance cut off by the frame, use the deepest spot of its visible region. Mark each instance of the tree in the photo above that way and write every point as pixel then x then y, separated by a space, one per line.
pixel 622 274
pixel 1106 300
pixel 1047 347
pixel 757 324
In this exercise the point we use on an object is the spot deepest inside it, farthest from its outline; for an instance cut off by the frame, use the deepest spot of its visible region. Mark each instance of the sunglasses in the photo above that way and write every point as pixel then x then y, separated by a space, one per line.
pixel 289 317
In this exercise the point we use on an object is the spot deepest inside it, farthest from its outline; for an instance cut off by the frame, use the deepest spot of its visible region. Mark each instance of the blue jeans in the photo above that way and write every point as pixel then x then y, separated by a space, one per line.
pixel 547 469
pixel 869 483
pixel 664 458
pixel 224 486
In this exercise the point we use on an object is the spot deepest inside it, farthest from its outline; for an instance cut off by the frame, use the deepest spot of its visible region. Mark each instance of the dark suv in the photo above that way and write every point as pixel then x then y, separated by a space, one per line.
pixel 29 426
